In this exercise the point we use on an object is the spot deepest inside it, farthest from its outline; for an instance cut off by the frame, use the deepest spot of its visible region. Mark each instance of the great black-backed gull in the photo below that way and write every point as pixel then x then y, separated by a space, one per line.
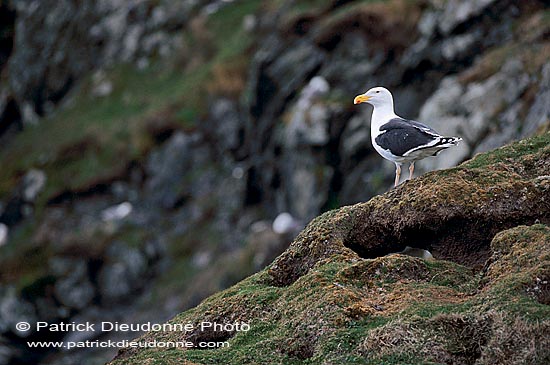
pixel 397 139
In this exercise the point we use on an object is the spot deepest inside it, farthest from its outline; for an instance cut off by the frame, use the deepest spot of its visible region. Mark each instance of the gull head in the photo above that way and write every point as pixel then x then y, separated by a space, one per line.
pixel 377 96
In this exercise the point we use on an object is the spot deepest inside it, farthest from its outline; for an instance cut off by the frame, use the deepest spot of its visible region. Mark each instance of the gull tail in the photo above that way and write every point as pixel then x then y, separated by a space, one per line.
pixel 446 142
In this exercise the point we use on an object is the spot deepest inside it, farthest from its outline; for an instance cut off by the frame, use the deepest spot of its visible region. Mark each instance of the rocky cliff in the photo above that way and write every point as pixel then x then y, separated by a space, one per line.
pixel 339 295
pixel 155 152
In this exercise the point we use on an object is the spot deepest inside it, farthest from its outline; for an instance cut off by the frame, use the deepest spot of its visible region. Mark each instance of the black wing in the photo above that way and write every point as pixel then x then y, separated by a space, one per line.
pixel 422 126
pixel 403 135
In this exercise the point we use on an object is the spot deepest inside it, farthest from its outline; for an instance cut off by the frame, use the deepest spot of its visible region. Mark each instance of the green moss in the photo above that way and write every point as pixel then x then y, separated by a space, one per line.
pixel 345 341
pixel 226 26
pixel 242 348
pixel 537 144
pixel 430 309
pixel 521 255
pixel 291 317
pixel 450 274
pixel 301 7
pixel 187 117
pixel 516 306
pixel 281 320
pixel 399 359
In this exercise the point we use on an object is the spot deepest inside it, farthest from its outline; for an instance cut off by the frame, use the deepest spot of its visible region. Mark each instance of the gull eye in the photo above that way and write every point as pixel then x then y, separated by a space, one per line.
pixel 377 92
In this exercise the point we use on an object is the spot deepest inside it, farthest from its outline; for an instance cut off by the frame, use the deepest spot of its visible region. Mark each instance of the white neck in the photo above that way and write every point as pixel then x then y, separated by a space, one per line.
pixel 380 115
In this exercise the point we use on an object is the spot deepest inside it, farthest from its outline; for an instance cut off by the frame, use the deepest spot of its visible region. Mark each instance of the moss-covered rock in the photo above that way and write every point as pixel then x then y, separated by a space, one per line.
pixel 333 298
pixel 455 213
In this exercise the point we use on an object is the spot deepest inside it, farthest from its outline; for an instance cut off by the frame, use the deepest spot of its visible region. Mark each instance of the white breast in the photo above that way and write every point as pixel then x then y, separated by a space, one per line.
pixel 379 118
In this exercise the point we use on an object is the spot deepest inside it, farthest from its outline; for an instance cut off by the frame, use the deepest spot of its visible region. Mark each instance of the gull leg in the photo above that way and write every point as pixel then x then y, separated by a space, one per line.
pixel 397 174
pixel 411 170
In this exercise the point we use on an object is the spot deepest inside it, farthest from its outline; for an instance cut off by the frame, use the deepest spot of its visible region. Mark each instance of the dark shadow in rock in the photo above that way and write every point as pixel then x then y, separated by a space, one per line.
pixel 464 239
pixel 10 116
pixel 7 31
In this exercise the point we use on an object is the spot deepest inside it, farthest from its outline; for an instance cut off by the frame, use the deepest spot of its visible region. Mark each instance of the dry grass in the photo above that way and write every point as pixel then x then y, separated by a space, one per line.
pixel 524 250
pixel 445 338
pixel 517 342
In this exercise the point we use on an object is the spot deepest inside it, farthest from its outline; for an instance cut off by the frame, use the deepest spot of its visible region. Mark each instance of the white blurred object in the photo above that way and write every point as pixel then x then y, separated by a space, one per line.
pixel 102 86
pixel 285 223
pixel 316 88
pixel 202 259
pixel 117 212
pixel 33 183
pixel 28 114
pixel 238 173
pixel 309 121
pixel 417 252
pixel 249 22
pixel 3 234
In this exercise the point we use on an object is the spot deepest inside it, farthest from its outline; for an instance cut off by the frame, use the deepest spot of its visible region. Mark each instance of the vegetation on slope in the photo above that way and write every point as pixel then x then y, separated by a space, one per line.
pixel 322 302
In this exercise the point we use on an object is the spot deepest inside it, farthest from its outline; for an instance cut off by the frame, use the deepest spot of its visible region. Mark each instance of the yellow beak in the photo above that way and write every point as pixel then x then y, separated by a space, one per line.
pixel 360 99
